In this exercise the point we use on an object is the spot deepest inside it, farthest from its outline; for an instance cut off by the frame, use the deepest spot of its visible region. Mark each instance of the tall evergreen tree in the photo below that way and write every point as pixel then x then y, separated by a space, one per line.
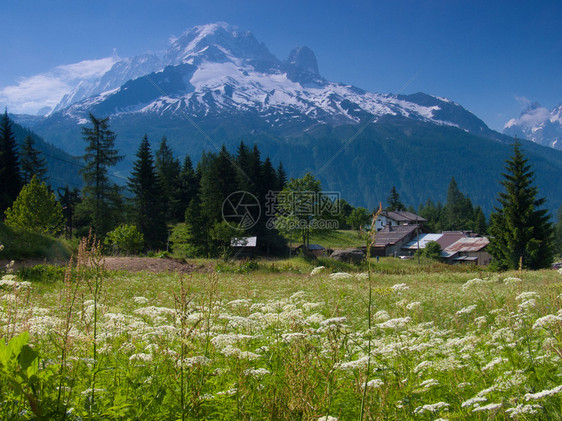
pixel 168 169
pixel 458 209
pixel 521 232
pixel 188 185
pixel 31 162
pixel 558 230
pixel 148 199
pixel 393 201
pixel 69 199
pixel 281 177
pixel 101 198
pixel 244 160
pixel 10 176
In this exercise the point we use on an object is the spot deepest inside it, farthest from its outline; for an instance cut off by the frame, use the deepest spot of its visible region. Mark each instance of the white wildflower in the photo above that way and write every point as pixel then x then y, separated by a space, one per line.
pixel 318 270
pixel 140 300
pixel 493 362
pixel 375 384
pixel 511 281
pixel 314 318
pixel 196 361
pixel 398 288
pixel 527 305
pixel 415 305
pixel 474 283
pixel 395 323
pixel 340 276
pixel 140 357
pixel 466 310
pixel 327 418
pixel 473 400
pixel 431 408
pixel 362 276
pixel 527 295
pixel 334 321
pixel 381 316
pixel 547 321
pixel 89 391
pixel 311 306
pixel 542 394
pixel 429 382
pixel 481 321
pixel 489 407
pixel 523 410
pixel 256 372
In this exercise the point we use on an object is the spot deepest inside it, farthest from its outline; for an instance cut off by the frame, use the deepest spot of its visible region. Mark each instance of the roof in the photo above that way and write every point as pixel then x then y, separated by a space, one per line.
pixel 312 247
pixel 423 240
pixel 391 235
pixel 403 216
pixel 244 242
pixel 466 245
pixel 449 237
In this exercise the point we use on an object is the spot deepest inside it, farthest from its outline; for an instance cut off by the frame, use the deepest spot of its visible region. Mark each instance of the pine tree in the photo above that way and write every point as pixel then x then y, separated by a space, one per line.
pixel 393 201
pixel 69 199
pixel 101 198
pixel 188 185
pixel 168 170
pixel 558 230
pixel 458 209
pixel 244 169
pixel 148 199
pixel 10 177
pixel 281 177
pixel 31 162
pixel 521 232
pixel 36 209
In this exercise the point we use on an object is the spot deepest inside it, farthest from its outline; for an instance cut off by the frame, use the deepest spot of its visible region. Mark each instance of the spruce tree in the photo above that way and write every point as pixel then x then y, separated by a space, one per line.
pixel 101 199
pixel 168 170
pixel 10 177
pixel 558 231
pixel 521 233
pixel 281 177
pixel 188 185
pixel 147 200
pixel 31 162
pixel 393 201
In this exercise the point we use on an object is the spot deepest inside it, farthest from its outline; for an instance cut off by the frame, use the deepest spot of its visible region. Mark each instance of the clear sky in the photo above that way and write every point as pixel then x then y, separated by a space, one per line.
pixel 492 57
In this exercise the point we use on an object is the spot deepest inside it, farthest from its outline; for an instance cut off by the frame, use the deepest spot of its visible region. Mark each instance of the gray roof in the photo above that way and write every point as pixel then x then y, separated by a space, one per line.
pixel 388 236
pixel 403 216
pixel 423 240
pixel 469 244
pixel 244 242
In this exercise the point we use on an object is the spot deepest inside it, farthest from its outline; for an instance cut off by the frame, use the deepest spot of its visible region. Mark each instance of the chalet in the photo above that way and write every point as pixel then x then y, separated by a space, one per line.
pixel 395 218
pixel 390 240
pixel 468 250
pixel 243 247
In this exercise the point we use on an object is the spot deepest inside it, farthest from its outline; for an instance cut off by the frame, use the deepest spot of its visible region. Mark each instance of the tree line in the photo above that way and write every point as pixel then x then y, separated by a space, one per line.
pixel 166 199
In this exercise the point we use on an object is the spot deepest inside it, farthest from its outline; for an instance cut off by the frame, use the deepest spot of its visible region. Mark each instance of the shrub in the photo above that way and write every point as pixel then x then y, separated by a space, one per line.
pixel 124 240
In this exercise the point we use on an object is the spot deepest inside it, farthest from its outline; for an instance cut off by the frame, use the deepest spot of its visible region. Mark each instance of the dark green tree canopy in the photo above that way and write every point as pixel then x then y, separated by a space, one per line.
pixel 9 164
pixel 32 162
pixel 393 201
pixel 148 199
pixel 520 230
pixel 101 196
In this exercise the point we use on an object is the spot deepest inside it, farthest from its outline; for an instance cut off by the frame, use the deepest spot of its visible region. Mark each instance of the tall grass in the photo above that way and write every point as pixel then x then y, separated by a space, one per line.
pixel 282 345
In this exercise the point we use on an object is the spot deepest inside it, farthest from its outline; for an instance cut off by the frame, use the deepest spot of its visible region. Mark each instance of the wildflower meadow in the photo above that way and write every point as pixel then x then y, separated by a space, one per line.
pixel 282 345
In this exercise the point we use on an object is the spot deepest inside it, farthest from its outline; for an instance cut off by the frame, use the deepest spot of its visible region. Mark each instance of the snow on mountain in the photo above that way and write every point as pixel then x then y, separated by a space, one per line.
pixel 539 125
pixel 214 68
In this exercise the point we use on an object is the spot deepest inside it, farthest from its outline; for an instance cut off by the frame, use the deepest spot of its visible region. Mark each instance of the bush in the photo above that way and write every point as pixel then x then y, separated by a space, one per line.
pixel 124 240
pixel 41 273
pixel 433 250
pixel 23 244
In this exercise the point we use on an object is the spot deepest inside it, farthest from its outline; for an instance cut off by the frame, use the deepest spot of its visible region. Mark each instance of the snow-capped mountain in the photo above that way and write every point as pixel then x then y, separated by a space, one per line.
pixel 215 69
pixel 539 125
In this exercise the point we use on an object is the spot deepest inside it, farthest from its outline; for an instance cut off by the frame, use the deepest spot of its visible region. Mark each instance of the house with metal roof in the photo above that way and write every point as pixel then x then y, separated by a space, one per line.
pixel 468 250
pixel 390 240
pixel 395 218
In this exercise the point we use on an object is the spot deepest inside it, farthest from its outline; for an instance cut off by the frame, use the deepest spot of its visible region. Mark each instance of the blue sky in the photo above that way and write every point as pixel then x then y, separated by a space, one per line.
pixel 492 57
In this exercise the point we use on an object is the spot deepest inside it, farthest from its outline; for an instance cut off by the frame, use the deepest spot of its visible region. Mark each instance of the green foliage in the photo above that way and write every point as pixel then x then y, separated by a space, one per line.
pixel 432 250
pixel 149 200
pixel 521 233
pixel 31 162
pixel 124 240
pixel 42 273
pixel 23 244
pixel 558 231
pixel 100 207
pixel 393 201
pixel 9 164
pixel 36 209
pixel 168 170
pixel 358 218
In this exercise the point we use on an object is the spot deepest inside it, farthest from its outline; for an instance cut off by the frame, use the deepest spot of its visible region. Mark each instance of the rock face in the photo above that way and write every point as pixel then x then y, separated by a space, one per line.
pixel 354 256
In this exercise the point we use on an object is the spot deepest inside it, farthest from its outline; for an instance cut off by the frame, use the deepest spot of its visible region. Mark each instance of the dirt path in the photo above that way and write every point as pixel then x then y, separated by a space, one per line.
pixel 131 264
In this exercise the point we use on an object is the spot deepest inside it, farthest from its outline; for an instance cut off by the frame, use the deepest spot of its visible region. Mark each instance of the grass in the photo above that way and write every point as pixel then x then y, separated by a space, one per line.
pixel 21 244
pixel 275 342
pixel 335 239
